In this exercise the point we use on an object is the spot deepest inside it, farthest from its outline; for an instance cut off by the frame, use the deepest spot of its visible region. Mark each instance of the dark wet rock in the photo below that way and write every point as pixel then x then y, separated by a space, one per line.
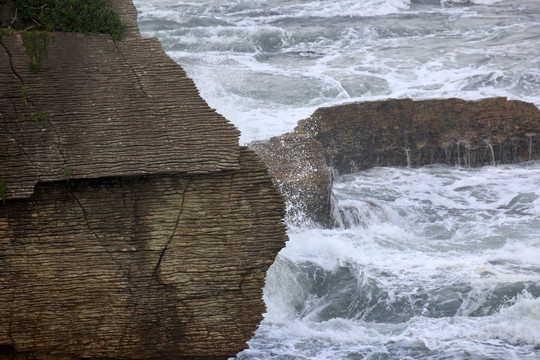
pixel 451 131
pixel 348 138
pixel 296 163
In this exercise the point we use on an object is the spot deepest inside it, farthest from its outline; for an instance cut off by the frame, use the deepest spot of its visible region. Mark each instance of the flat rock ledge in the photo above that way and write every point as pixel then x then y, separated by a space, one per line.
pixel 132 224
pixel 348 138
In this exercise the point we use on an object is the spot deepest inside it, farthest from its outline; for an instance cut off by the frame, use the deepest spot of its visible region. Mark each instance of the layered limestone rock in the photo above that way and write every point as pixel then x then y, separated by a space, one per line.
pixel 133 225
pixel 114 108
pixel 157 266
pixel 352 137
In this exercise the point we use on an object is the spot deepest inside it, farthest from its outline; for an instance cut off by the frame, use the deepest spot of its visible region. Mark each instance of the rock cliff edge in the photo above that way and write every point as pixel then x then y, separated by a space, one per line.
pixel 133 225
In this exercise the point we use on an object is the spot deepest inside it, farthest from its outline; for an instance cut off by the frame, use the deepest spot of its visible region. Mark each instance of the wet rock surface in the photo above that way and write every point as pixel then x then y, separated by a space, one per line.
pixel 348 138
pixel 416 133
pixel 296 163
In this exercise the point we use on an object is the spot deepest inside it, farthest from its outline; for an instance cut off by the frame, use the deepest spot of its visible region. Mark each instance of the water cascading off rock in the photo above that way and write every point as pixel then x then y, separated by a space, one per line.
pixel 353 137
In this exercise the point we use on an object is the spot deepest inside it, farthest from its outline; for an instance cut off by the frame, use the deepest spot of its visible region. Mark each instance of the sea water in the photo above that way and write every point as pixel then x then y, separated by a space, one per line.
pixel 430 263
pixel 443 264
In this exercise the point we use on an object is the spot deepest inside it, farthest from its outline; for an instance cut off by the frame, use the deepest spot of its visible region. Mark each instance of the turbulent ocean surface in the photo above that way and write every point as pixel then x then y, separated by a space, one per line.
pixel 443 263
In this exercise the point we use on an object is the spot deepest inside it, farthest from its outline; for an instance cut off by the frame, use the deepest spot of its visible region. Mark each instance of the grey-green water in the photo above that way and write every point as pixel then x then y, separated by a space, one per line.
pixel 439 263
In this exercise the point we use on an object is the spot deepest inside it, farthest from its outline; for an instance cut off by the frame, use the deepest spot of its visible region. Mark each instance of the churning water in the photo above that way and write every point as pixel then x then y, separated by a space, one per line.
pixel 439 263
pixel 264 64
pixel 444 264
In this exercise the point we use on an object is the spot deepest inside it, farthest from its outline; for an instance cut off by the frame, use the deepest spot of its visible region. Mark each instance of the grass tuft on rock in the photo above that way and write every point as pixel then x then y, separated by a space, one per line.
pixel 86 16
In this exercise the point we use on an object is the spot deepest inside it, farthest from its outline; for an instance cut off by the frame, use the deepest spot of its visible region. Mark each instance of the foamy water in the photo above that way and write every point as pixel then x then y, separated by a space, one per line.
pixel 446 266
pixel 267 64
pixel 431 263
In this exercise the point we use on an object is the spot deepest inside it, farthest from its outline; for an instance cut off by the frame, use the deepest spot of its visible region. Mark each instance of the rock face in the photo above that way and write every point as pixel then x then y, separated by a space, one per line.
pixel 297 165
pixel 353 137
pixel 112 112
pixel 451 131
pixel 133 225
pixel 157 266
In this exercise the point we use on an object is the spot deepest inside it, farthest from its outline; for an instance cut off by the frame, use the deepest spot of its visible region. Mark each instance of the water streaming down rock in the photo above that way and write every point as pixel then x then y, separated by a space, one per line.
pixel 408 154
pixel 451 131
pixel 493 163
pixel 356 213
pixel 530 136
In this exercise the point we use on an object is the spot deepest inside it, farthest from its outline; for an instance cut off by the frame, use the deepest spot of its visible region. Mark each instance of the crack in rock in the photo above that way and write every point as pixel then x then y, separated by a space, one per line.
pixel 58 144
pixel 21 149
pixel 11 312
pixel 132 69
pixel 155 274
pixel 10 60
pixel 98 238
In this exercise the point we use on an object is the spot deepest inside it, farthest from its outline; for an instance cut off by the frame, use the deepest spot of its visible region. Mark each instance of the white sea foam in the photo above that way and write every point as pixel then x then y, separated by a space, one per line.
pixel 267 64
pixel 477 2
pixel 514 324
pixel 450 266
pixel 439 263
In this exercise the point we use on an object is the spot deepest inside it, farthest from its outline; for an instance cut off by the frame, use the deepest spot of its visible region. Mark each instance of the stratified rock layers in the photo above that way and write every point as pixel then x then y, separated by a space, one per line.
pixel 133 225
pixel 115 109
pixel 352 137
pixel 143 267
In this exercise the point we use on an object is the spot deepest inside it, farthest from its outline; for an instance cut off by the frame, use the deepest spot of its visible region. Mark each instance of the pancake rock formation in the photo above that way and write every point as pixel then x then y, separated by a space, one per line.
pixel 132 224
pixel 352 137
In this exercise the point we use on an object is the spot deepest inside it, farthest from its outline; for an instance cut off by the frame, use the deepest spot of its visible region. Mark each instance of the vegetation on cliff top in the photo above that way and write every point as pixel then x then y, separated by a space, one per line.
pixel 36 44
pixel 87 16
